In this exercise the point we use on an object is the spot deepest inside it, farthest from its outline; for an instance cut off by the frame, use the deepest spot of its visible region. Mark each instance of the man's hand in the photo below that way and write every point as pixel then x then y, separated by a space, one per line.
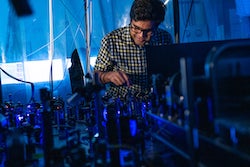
pixel 118 78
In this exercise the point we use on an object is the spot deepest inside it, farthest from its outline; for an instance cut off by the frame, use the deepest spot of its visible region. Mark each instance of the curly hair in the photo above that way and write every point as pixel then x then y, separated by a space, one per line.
pixel 153 10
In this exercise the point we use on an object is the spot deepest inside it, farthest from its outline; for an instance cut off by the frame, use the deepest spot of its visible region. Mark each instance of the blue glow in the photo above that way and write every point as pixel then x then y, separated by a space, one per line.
pixel 133 127
pixel 32 71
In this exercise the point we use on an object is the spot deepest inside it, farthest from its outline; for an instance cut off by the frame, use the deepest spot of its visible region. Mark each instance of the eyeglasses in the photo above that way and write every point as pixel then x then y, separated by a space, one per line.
pixel 139 30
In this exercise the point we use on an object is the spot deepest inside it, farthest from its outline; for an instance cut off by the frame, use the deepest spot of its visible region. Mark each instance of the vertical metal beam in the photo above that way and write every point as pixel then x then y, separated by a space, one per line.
pixel 88 24
pixel 51 44
pixel 176 21
pixel 187 91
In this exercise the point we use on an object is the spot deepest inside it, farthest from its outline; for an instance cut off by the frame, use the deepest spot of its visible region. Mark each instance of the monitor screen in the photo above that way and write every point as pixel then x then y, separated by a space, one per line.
pixel 165 59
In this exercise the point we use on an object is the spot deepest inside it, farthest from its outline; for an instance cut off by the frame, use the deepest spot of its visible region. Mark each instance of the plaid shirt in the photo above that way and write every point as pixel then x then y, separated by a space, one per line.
pixel 119 52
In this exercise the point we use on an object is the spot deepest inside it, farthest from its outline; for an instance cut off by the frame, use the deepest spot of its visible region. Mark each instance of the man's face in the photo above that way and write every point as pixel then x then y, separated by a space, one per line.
pixel 141 31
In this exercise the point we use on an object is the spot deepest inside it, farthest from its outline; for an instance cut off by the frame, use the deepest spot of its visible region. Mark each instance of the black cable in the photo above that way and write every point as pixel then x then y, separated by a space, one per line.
pixel 32 84
pixel 189 13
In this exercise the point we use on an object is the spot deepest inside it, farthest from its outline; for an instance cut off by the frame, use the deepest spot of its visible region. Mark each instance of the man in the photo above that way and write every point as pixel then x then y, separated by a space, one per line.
pixel 121 62
pixel 121 65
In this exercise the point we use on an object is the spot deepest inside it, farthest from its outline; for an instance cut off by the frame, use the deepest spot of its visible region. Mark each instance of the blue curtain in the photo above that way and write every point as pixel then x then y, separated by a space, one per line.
pixel 29 43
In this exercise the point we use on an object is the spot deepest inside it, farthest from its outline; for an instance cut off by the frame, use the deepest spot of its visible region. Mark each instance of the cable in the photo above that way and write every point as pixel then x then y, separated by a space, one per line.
pixel 189 13
pixel 32 84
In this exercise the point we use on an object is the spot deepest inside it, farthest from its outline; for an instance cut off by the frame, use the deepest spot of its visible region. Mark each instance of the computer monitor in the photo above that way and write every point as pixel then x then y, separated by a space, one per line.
pixel 165 59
